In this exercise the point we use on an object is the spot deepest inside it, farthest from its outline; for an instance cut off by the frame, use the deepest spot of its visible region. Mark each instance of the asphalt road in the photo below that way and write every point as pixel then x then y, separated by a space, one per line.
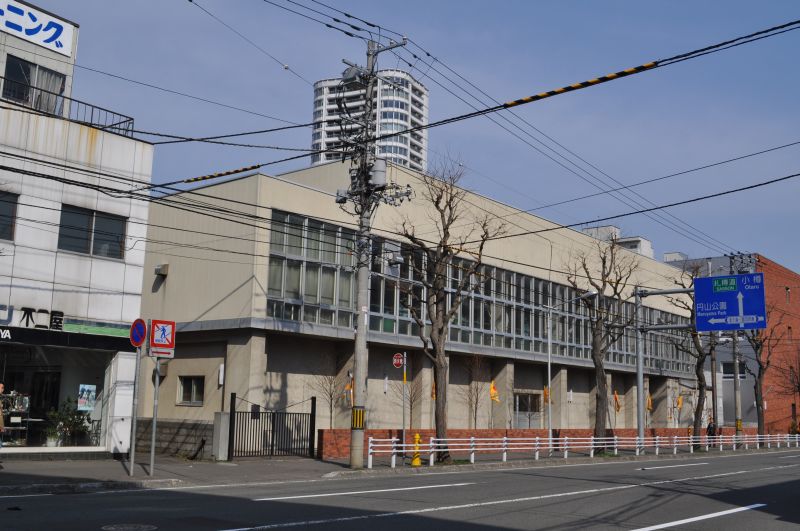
pixel 734 492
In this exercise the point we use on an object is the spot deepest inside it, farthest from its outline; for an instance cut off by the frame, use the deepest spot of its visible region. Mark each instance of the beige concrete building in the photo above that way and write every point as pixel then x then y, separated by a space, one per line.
pixel 265 302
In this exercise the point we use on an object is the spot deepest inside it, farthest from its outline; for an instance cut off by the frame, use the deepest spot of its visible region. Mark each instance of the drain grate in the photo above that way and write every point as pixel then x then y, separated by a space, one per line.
pixel 128 527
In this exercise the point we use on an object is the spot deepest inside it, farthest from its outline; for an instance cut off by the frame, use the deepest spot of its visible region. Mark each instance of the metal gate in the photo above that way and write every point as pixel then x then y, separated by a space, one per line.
pixel 259 432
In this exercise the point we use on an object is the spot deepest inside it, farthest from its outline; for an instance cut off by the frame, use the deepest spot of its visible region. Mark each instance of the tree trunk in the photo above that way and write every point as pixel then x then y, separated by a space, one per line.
pixel 601 386
pixel 701 397
pixel 759 389
pixel 330 414
pixel 440 379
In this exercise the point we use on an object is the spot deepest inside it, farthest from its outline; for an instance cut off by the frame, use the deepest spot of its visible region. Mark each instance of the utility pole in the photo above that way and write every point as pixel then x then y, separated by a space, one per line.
pixel 712 340
pixel 737 390
pixel 640 402
pixel 368 188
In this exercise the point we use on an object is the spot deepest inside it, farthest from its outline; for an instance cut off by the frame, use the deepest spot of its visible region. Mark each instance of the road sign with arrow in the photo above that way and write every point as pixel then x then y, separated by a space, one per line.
pixel 733 302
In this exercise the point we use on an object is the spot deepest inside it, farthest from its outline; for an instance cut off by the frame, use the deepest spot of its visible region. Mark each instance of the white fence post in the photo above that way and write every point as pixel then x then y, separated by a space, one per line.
pixel 637 445
pixel 505 449
pixel 769 442
pixel 394 453
pixel 691 444
pixel 720 440
pixel 369 452
pixel 658 439
pixel 536 450
pixel 566 447
pixel 591 446
pixel 616 445
pixel 707 437
pixel 472 450
pixel 746 442
pixel 674 444
pixel 432 455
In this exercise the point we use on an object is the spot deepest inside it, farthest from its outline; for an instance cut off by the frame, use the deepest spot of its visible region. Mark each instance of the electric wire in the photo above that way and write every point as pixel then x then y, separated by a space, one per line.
pixel 251 42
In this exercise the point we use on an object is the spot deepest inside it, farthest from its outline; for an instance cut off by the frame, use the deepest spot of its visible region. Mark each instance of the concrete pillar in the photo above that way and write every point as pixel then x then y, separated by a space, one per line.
pixel 661 414
pixel 422 417
pixel 629 401
pixel 503 376
pixel 246 369
pixel 559 394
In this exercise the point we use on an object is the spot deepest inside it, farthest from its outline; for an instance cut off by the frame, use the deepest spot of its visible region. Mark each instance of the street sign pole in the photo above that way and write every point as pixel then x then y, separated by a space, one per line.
pixel 639 367
pixel 737 391
pixel 155 417
pixel 132 444
pixel 403 431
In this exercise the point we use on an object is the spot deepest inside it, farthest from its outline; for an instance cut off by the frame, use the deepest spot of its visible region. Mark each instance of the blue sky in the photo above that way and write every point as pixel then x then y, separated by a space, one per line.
pixel 675 118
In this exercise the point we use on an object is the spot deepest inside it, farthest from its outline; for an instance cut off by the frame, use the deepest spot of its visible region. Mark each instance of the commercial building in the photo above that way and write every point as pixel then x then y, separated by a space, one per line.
pixel 781 355
pixel 71 251
pixel 400 103
pixel 266 307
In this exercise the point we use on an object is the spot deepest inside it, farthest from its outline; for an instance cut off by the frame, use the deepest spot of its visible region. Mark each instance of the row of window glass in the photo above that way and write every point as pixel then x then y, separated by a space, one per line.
pixel 393 150
pixel 394 104
pixel 394 115
pixel 80 230
pixel 500 308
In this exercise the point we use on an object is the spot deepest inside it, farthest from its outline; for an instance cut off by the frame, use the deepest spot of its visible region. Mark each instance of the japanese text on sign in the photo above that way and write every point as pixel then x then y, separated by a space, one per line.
pixel 36 26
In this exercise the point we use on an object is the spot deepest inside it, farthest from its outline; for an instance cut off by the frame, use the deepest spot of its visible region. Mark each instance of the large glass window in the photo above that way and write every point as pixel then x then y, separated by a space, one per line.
pixel 8 215
pixel 33 85
pixel 82 230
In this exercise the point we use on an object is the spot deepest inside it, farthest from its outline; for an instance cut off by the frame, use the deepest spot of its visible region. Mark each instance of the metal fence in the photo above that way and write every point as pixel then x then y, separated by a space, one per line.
pixel 535 447
pixel 258 432
pixel 54 104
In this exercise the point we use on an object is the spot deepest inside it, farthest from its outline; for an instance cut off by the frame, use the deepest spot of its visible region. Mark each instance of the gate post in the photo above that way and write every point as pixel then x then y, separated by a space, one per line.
pixel 312 426
pixel 272 432
pixel 232 427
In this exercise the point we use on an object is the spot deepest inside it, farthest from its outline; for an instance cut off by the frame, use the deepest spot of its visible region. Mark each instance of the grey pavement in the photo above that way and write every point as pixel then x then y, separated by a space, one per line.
pixel 730 491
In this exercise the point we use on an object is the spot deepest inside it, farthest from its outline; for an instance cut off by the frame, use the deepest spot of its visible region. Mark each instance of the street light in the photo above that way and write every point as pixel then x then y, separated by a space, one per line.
pixel 550 309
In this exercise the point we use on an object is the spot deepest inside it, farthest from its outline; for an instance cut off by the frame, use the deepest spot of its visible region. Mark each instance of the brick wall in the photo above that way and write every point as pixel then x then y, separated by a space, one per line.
pixel 335 444
pixel 176 437
pixel 783 307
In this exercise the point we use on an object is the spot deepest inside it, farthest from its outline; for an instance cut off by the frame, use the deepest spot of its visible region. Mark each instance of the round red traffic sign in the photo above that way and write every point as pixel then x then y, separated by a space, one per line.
pixel 397 360
pixel 138 332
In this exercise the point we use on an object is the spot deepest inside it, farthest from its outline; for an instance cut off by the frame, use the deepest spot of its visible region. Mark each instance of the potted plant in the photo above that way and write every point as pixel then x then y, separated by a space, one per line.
pixel 67 423
pixel 51 433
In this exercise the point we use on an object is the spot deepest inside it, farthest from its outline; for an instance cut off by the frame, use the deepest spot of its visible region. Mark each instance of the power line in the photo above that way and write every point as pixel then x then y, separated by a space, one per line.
pixel 251 43
pixel 669 205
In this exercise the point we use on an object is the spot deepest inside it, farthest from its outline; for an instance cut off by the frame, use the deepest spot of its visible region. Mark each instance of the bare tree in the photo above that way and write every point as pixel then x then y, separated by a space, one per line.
pixel 693 344
pixel 607 269
pixel 434 307
pixel 330 388
pixel 477 387
pixel 765 343
pixel 415 394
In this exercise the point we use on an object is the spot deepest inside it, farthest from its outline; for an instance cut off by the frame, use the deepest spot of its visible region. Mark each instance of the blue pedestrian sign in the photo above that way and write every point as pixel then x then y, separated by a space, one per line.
pixel 732 302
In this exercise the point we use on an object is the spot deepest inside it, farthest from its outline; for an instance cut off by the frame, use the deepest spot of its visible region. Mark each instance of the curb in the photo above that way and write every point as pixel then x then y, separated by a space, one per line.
pixel 86 487
pixel 544 463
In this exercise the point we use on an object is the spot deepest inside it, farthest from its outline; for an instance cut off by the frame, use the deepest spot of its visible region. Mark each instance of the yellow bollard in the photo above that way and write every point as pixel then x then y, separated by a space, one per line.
pixel 415 460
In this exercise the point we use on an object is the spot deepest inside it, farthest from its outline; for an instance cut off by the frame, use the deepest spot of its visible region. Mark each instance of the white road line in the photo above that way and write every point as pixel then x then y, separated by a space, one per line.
pixel 789 456
pixel 669 466
pixel 498 502
pixel 698 518
pixel 25 496
pixel 325 495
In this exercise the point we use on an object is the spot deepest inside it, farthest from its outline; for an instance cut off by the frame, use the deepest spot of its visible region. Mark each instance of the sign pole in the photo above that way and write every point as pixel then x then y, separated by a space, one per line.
pixel 155 417
pixel 403 431
pixel 132 444
pixel 737 389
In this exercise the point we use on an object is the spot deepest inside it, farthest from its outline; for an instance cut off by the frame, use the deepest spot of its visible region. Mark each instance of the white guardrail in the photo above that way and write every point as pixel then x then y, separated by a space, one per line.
pixel 535 446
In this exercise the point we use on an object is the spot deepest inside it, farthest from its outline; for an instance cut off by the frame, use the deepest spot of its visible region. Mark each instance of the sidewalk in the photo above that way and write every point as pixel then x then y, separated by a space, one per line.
pixel 32 477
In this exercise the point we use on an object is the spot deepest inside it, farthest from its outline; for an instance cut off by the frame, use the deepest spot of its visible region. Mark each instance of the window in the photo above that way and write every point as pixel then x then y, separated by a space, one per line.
pixel 88 232
pixel 33 85
pixel 191 390
pixel 8 215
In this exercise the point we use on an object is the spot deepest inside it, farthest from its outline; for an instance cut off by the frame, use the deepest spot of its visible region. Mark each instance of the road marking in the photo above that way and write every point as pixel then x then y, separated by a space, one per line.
pixel 704 517
pixel 789 456
pixel 325 495
pixel 25 496
pixel 669 466
pixel 499 502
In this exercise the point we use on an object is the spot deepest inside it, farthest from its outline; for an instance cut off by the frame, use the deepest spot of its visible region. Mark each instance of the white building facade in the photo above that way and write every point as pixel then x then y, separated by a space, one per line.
pixel 401 102
pixel 71 250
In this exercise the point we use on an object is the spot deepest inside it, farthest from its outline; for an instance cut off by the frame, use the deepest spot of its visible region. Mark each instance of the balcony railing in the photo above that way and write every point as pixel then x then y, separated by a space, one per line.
pixel 53 104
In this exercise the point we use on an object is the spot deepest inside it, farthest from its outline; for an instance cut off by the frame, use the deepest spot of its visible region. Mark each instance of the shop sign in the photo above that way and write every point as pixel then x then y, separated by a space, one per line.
pixel 38 27
pixel 5 333
pixel 32 318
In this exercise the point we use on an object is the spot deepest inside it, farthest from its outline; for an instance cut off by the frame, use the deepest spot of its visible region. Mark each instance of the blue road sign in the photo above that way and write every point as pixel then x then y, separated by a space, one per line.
pixel 138 332
pixel 732 302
